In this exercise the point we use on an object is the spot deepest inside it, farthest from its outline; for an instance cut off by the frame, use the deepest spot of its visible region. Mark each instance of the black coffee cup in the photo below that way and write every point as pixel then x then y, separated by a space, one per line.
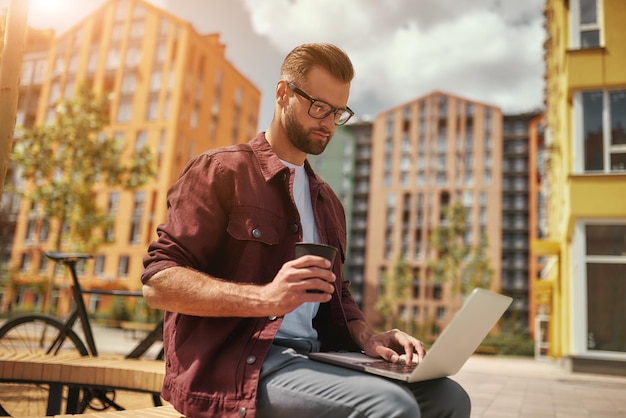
pixel 310 248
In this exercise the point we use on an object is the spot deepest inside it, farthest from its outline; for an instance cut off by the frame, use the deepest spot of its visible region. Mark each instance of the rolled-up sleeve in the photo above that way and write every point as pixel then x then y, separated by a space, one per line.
pixel 195 222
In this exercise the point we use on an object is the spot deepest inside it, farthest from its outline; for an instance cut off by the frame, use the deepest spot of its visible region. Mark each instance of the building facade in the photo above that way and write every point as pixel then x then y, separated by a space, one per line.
pixel 34 62
pixel 586 138
pixel 172 89
pixel 516 215
pixel 345 166
pixel 425 156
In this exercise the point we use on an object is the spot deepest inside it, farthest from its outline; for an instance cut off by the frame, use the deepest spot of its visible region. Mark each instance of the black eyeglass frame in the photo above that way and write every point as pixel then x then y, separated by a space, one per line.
pixel 332 109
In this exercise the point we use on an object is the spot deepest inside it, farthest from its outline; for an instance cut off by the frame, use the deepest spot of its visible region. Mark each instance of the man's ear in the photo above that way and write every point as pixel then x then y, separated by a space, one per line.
pixel 281 92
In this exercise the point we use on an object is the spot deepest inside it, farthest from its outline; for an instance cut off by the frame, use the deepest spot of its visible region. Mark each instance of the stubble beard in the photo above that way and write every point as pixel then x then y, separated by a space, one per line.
pixel 299 137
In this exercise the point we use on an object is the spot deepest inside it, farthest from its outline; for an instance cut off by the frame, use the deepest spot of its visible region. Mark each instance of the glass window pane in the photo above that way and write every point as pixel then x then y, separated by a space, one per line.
pixel 588 12
pixel 592 130
pixel 618 162
pixel 618 117
pixel 606 239
pixel 606 307
pixel 590 39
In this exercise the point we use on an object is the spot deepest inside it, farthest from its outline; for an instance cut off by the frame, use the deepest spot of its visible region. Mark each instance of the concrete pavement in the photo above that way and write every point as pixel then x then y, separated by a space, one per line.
pixel 512 387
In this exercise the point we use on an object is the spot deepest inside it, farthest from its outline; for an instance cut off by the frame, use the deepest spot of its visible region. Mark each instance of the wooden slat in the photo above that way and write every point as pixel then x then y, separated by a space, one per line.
pixel 131 374
pixel 167 411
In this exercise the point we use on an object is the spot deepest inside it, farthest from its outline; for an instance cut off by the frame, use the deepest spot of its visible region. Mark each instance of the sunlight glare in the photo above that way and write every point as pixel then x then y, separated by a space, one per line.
pixel 47 6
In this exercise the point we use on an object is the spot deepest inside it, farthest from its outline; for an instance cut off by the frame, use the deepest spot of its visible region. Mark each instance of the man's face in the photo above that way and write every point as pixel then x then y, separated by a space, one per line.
pixel 307 134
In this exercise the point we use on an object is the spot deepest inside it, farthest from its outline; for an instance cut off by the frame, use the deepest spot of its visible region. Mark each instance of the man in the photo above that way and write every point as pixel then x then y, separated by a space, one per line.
pixel 241 312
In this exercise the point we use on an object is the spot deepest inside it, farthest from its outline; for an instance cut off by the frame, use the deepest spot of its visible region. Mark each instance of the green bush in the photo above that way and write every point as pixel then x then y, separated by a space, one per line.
pixel 511 344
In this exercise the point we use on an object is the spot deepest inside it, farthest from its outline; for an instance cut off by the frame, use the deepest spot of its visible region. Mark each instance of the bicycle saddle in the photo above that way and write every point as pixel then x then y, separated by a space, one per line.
pixel 67 257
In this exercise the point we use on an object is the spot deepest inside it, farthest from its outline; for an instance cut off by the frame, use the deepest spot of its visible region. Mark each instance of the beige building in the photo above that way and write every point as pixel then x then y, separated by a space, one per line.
pixel 171 88
pixel 426 155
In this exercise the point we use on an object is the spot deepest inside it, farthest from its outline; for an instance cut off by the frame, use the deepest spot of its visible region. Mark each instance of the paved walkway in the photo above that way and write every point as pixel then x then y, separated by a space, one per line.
pixel 511 387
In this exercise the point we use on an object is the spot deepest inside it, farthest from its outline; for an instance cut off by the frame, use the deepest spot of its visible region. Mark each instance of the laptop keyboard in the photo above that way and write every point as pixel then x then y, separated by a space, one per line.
pixel 398 367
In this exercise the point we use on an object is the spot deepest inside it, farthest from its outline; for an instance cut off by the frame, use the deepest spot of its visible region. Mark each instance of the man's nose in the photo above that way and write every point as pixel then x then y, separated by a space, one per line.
pixel 329 122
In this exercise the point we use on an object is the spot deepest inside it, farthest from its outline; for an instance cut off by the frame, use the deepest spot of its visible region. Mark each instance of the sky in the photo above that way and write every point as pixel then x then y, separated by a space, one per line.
pixel 490 51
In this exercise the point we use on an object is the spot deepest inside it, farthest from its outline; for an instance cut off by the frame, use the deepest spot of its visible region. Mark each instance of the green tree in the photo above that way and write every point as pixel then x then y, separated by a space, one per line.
pixel 64 162
pixel 478 271
pixel 396 288
pixel 457 261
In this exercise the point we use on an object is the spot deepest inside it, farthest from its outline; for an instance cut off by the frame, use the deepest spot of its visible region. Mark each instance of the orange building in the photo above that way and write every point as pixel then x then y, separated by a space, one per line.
pixel 426 155
pixel 172 89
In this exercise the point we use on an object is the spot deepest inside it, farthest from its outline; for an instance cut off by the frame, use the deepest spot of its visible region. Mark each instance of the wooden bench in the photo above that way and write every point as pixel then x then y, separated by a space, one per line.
pixel 154 412
pixel 72 371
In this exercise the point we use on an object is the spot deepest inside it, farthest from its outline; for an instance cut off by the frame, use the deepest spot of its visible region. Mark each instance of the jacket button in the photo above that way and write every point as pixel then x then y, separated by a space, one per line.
pixel 251 359
pixel 242 412
pixel 294 228
pixel 256 233
pixel 272 318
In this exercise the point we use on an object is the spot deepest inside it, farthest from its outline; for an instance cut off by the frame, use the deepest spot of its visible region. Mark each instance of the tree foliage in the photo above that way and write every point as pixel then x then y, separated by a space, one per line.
pixel 461 263
pixel 65 162
pixel 397 288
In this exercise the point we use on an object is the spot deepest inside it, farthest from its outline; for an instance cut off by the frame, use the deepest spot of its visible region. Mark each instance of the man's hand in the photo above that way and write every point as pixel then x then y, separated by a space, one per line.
pixel 389 345
pixel 305 279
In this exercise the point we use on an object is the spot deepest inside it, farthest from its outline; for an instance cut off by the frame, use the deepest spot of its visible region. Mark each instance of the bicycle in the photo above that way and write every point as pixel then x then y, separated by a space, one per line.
pixel 46 334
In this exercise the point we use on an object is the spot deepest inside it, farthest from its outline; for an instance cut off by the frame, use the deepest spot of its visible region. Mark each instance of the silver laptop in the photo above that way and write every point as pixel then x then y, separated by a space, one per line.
pixel 448 354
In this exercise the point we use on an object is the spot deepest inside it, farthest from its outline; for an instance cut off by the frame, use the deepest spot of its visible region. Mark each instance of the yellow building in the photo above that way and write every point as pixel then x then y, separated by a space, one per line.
pixel 171 88
pixel 426 155
pixel 585 248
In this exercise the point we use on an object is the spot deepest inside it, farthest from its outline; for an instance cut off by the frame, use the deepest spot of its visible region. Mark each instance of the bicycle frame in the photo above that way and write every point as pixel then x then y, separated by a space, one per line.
pixel 80 310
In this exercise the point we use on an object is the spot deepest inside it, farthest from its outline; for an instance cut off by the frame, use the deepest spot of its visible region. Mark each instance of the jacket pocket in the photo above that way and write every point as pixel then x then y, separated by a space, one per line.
pixel 254 224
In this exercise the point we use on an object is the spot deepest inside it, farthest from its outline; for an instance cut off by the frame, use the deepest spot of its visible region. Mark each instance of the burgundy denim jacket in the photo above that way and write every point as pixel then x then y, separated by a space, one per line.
pixel 231 215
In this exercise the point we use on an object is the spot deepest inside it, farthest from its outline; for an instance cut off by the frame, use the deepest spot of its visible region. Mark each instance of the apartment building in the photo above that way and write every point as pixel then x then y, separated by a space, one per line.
pixel 171 88
pixel 34 63
pixel 585 246
pixel 516 215
pixel 345 166
pixel 425 156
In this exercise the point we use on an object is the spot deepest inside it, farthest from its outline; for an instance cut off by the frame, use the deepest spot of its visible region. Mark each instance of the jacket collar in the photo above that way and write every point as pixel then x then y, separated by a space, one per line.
pixel 270 164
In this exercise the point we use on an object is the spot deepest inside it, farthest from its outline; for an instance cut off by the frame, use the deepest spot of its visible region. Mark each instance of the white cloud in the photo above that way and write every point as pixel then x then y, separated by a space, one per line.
pixel 486 50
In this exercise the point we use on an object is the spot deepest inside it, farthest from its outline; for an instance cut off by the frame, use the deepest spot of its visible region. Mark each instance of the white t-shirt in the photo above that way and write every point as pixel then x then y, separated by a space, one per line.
pixel 298 324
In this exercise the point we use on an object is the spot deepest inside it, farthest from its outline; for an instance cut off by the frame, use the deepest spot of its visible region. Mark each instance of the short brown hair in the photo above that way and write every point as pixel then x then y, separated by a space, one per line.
pixel 301 59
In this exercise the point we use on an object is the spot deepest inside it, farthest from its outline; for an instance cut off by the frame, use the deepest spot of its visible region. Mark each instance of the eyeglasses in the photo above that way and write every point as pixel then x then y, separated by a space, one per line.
pixel 319 109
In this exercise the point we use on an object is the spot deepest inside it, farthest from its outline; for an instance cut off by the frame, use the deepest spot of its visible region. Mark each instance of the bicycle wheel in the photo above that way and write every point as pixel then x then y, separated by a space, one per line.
pixel 34 333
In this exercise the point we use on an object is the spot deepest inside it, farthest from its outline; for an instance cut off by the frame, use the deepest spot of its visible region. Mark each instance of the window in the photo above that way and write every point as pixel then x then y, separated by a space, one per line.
pixel 133 57
pixel 155 81
pixel 600 131
pixel 125 110
pixel 113 59
pixel 129 83
pixel 44 230
pixel 136 30
pixel 43 265
pixel 30 230
pixel 585 24
pixel 152 109
pixel 123 267
pixel 98 269
pixel 117 33
pixel 114 203
pixel 25 263
pixel 603 286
